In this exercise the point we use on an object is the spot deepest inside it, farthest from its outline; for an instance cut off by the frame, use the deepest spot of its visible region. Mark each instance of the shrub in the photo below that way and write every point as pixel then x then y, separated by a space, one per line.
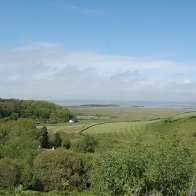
pixel 58 170
pixel 20 148
pixel 21 127
pixel 87 144
pixel 137 168
pixel 119 171
pixel 9 174
pixel 170 168
pixel 66 143
pixel 26 176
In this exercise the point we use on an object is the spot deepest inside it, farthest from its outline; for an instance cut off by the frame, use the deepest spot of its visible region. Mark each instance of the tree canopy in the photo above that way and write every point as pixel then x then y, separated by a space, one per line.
pixel 40 111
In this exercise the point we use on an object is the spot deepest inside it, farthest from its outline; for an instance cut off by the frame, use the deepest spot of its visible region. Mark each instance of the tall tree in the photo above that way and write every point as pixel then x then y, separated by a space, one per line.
pixel 58 140
pixel 43 138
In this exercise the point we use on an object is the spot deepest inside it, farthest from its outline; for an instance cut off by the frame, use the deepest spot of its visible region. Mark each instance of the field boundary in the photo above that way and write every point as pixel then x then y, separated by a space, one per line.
pixel 90 126
pixel 84 129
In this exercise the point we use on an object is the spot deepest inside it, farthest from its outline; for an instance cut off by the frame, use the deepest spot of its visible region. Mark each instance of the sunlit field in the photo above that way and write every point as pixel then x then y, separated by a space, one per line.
pixel 121 124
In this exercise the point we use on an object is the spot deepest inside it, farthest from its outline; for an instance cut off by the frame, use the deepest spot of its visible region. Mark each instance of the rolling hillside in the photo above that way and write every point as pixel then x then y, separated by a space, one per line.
pixel 109 130
pixel 181 124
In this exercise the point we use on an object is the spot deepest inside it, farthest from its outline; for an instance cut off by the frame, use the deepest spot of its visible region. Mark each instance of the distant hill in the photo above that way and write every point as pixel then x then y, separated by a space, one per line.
pixel 40 111
pixel 99 105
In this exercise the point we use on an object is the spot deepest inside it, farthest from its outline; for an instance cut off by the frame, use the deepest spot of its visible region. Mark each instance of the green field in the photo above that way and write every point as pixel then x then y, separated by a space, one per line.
pixel 118 124
pixel 117 130
pixel 121 113
pixel 180 124
pixel 67 130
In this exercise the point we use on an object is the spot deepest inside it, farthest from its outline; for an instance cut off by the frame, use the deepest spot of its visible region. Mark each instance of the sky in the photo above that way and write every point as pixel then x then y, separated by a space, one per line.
pixel 133 50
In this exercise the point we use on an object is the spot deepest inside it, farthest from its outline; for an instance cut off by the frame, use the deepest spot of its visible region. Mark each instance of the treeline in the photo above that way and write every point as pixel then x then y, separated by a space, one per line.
pixel 39 111
pixel 135 168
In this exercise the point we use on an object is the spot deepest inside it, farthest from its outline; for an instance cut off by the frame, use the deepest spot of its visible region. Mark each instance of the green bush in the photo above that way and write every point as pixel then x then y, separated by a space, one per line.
pixel 18 139
pixel 20 148
pixel 137 168
pixel 66 143
pixel 58 170
pixel 9 174
pixel 19 145
pixel 87 144
pixel 170 167
pixel 26 175
pixel 18 128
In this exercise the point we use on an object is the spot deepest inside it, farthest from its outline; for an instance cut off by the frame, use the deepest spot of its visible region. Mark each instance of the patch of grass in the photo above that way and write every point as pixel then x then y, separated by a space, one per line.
pixel 67 130
pixel 117 130
pixel 185 115
pixel 122 131
pixel 117 124
pixel 121 113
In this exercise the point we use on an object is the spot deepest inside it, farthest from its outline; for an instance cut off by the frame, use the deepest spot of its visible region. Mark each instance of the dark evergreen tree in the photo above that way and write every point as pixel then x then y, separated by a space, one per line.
pixel 43 138
pixel 57 140
pixel 66 143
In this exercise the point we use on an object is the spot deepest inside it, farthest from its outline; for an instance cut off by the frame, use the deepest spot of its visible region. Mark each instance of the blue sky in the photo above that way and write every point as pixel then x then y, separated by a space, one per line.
pixel 85 49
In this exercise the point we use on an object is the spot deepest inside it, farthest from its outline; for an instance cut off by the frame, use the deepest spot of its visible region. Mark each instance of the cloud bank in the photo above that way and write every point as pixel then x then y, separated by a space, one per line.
pixel 49 71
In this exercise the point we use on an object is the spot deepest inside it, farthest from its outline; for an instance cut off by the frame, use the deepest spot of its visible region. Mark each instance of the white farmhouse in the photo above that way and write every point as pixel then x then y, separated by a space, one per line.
pixel 71 121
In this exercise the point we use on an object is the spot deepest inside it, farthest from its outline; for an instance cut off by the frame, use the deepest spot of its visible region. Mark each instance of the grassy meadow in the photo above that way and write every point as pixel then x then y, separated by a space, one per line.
pixel 119 124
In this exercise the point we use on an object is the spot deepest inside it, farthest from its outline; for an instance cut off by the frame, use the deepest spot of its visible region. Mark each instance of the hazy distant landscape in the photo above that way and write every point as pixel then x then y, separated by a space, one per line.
pixel 145 104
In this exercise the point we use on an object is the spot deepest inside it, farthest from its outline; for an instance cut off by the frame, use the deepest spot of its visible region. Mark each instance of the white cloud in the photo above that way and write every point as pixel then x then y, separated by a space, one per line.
pixel 87 11
pixel 187 81
pixel 49 71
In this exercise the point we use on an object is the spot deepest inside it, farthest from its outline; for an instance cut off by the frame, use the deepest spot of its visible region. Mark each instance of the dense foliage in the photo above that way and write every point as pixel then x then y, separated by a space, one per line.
pixel 40 111
pixel 136 168
pixel 66 143
pixel 18 148
pixel 9 174
pixel 18 139
pixel 87 144
pixel 58 170
pixel 43 137
pixel 57 140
